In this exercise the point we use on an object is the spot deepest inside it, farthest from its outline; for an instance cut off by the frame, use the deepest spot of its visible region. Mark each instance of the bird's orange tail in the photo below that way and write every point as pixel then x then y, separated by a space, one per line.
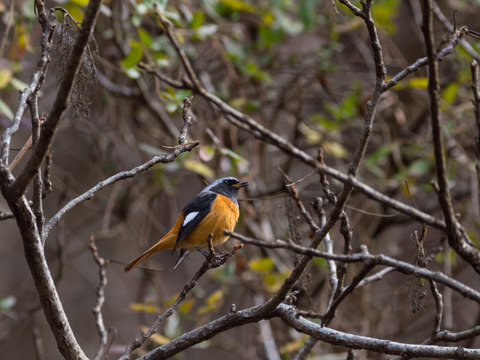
pixel 167 242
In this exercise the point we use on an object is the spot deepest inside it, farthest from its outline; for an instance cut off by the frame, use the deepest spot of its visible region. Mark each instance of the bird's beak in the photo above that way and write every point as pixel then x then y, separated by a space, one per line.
pixel 240 185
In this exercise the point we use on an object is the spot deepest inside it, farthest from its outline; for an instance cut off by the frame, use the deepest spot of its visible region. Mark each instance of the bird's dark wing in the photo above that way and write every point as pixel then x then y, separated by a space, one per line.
pixel 193 214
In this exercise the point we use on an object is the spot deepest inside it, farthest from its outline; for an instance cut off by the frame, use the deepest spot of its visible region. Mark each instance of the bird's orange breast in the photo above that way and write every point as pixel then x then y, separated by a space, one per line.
pixel 222 216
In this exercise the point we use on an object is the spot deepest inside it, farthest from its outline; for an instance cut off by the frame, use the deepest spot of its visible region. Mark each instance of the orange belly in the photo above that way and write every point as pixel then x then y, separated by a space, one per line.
pixel 222 216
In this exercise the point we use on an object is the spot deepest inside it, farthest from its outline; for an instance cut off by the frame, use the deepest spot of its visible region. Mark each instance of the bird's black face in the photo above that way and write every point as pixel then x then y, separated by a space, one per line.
pixel 228 186
pixel 234 183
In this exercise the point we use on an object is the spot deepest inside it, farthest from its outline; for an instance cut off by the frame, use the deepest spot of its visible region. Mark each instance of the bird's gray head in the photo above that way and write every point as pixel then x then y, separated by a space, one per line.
pixel 227 186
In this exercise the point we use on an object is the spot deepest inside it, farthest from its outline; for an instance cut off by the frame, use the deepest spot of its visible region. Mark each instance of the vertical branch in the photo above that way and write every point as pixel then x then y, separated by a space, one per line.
pixel 64 90
pixel 476 104
pixel 187 120
pixel 457 237
pixel 13 190
pixel 434 94
pixel 48 28
pixel 97 309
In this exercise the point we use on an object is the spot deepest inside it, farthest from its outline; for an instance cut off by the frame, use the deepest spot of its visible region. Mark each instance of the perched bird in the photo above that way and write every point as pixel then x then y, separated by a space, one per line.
pixel 213 210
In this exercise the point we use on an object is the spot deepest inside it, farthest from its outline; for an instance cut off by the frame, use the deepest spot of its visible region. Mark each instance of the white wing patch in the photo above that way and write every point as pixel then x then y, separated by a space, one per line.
pixel 189 217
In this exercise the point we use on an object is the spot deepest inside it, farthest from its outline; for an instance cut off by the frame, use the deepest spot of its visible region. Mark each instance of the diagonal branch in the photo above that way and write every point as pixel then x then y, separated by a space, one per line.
pixel 165 158
pixel 64 90
pixel 48 26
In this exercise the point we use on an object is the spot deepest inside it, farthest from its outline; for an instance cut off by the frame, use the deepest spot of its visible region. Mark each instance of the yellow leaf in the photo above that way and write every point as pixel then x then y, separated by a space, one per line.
pixel 148 308
pixel 171 300
pixel 5 76
pixel 238 5
pixel 335 149
pixel 199 168
pixel 293 345
pixel 213 302
pixel 75 11
pixel 419 82
pixel 273 282
pixel 215 297
pixel 186 306
pixel 262 265
pixel 80 2
pixel 157 338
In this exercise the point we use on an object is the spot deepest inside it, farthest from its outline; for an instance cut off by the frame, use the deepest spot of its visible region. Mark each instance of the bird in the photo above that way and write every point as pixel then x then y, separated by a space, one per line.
pixel 213 210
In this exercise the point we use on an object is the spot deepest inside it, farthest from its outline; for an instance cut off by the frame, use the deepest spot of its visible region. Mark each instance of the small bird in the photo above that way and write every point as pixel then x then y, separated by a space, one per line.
pixel 213 210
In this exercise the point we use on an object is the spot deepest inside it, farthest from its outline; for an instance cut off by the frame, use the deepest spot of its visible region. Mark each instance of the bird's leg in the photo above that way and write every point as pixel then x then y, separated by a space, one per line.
pixel 203 252
pixel 213 259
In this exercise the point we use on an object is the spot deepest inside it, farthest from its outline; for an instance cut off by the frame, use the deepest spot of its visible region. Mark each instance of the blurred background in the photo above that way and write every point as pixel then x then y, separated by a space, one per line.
pixel 303 69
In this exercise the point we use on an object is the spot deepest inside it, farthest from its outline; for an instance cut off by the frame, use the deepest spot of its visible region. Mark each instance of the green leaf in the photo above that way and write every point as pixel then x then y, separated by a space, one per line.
pixel 199 168
pixel 134 56
pixel 384 13
pixel 18 84
pixel 197 19
pixel 233 155
pixel 238 5
pixel 450 93
pixel 145 37
pixel 149 149
pixel 5 109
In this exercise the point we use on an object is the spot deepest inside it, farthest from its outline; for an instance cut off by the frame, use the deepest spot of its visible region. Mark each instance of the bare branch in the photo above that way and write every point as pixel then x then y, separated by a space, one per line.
pixel 64 89
pixel 215 261
pixel 401 266
pixel 165 158
pixel 476 105
pixel 187 120
pixel 97 309
pixel 48 28
pixel 290 316
pixel 457 238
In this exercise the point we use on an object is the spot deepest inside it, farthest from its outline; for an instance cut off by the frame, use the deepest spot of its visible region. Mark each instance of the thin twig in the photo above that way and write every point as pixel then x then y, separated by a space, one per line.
pixel 20 154
pixel 48 28
pixel 63 95
pixel 187 120
pixel 165 158
pixel 100 300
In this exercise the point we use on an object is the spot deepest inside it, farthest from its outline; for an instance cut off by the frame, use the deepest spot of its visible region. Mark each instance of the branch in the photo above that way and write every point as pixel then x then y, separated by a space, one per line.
pixel 13 190
pixel 290 316
pixel 48 29
pixel 457 38
pixel 164 158
pixel 364 256
pixel 187 120
pixel 476 105
pixel 457 238
pixel 214 261
pixel 97 309
pixel 64 89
